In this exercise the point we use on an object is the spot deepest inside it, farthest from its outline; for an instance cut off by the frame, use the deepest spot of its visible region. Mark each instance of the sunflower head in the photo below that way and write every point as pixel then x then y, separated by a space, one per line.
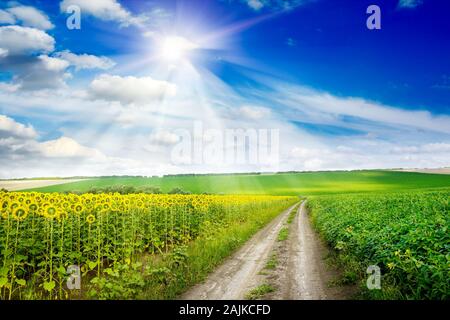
pixel 90 219
pixel 14 205
pixel 78 208
pixel 5 204
pixel 19 213
pixel 33 206
pixel 51 212
pixel 4 214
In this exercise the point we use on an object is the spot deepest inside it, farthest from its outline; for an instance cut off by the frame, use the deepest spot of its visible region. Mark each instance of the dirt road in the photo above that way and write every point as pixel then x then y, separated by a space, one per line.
pixel 300 273
pixel 434 171
pixel 16 185
pixel 239 274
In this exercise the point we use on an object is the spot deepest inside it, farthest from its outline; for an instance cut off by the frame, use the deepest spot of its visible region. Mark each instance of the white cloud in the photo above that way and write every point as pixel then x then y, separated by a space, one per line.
pixel 108 10
pixel 304 153
pixel 3 52
pixel 380 155
pixel 53 64
pixel 23 40
pixel 130 89
pixel 121 129
pixel 409 4
pixel 164 137
pixel 10 128
pixel 6 17
pixel 313 158
pixel 319 107
pixel 65 147
pixel 255 4
pixel 31 17
pixel 36 72
pixel 443 84
pixel 291 42
pixel 9 87
pixel 33 72
pixel 24 54
pixel 435 148
pixel 22 155
pixel 86 61
pixel 150 34
pixel 253 112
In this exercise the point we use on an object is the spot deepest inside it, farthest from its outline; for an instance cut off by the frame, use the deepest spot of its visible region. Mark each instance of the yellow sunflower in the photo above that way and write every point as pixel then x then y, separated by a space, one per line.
pixel 90 219
pixel 14 205
pixel 4 214
pixel 19 213
pixel 51 212
pixel 78 208
pixel 33 206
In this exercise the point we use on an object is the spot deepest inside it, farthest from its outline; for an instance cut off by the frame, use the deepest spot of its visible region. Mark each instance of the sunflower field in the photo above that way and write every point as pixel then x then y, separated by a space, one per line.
pixel 41 235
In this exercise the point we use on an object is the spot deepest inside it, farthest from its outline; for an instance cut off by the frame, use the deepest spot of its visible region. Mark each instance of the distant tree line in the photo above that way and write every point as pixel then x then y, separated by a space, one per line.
pixel 126 189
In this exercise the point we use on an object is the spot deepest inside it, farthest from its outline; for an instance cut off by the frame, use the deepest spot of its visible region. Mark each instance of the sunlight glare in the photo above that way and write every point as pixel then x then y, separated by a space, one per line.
pixel 176 48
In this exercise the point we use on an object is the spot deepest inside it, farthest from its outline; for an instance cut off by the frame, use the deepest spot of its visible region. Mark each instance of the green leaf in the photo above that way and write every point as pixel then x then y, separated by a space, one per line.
pixel 21 282
pixel 3 271
pixel 92 264
pixel 3 281
pixel 95 280
pixel 109 271
pixel 21 257
pixel 49 286
pixel 62 270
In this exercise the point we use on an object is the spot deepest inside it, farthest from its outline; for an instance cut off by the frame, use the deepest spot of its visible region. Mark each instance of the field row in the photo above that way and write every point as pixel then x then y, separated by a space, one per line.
pixel 306 183
pixel 109 235
pixel 405 234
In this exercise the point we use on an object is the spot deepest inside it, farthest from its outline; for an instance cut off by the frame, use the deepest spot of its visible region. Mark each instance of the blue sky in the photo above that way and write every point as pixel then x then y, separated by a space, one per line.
pixel 113 96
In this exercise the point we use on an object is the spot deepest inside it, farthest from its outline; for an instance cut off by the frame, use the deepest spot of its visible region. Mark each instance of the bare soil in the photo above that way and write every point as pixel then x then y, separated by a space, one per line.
pixel 240 273
pixel 301 272
pixel 16 185
pixel 434 171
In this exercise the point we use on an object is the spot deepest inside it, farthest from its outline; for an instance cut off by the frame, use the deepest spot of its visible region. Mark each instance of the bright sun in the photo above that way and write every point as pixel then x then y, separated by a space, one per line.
pixel 176 48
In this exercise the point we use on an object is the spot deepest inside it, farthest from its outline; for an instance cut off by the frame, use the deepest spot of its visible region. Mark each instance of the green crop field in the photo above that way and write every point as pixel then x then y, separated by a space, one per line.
pixel 397 221
pixel 405 234
pixel 311 183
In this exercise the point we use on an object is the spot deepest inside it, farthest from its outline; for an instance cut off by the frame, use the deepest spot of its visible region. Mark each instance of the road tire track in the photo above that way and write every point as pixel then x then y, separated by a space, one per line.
pixel 302 273
pixel 240 273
